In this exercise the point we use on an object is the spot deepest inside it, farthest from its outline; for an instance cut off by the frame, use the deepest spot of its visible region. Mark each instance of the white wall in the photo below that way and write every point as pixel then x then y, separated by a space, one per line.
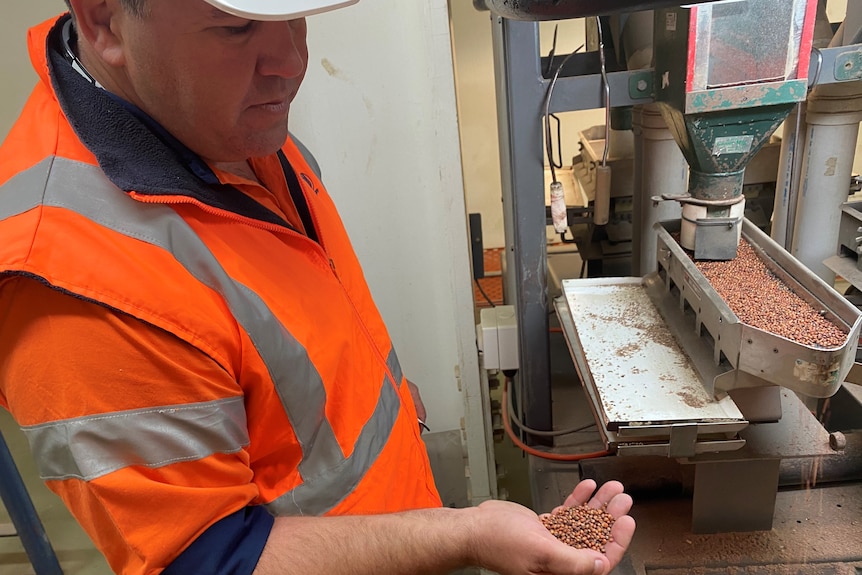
pixel 15 69
pixel 378 110
pixel 477 115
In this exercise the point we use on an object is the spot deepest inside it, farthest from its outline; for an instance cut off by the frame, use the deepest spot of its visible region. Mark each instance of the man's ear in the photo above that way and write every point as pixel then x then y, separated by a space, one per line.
pixel 99 24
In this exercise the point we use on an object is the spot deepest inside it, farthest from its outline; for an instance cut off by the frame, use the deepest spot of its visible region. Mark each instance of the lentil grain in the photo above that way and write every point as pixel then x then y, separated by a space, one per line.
pixel 762 300
pixel 581 527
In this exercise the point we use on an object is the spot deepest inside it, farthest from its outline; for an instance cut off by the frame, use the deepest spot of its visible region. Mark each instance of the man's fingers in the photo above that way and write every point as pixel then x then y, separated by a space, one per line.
pixel 620 505
pixel 610 496
pixel 417 401
pixel 606 494
pixel 576 562
pixel 581 493
pixel 584 492
pixel 622 533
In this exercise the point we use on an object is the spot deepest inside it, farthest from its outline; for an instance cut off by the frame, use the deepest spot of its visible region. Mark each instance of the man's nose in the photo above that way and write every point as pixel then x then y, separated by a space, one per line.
pixel 283 51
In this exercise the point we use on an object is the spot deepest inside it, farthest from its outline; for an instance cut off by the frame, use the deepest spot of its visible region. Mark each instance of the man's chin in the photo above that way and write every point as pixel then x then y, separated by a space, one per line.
pixel 266 143
pixel 254 147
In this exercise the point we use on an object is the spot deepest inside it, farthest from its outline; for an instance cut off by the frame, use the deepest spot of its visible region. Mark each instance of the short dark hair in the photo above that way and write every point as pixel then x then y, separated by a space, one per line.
pixel 136 7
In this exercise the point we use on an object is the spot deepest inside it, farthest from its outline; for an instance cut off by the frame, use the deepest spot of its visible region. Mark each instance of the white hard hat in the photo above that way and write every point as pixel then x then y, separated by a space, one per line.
pixel 278 9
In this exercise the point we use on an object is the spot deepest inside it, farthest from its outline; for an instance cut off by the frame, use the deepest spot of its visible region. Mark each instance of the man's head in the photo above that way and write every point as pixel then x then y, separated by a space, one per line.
pixel 221 83
pixel 132 6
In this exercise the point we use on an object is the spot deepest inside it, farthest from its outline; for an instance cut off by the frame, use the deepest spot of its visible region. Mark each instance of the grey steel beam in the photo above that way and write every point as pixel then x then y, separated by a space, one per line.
pixel 627 88
pixel 833 65
pixel 520 92
pixel 633 87
pixel 521 89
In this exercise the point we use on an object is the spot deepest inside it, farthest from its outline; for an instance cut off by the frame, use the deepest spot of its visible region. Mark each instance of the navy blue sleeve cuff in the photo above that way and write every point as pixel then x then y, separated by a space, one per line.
pixel 232 546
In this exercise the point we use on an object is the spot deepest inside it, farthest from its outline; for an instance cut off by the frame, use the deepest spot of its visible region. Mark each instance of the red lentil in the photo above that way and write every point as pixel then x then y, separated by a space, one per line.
pixel 581 527
pixel 762 300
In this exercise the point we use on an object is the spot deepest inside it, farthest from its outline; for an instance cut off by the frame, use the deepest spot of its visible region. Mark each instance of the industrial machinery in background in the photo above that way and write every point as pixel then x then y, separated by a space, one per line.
pixel 680 382
pixel 608 249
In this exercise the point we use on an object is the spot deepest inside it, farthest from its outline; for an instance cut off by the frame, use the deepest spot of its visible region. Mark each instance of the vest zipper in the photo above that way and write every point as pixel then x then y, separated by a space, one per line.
pixel 359 317
pixel 318 246
pixel 173 200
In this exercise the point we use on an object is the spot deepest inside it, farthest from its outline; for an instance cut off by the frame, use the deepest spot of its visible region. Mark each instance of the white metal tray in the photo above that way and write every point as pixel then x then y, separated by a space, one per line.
pixel 642 383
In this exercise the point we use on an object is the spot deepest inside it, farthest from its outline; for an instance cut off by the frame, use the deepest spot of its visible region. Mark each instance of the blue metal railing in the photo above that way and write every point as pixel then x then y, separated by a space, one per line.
pixel 24 518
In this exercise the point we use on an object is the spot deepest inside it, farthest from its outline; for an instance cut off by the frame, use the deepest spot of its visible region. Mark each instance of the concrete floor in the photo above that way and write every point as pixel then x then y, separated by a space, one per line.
pixel 815 532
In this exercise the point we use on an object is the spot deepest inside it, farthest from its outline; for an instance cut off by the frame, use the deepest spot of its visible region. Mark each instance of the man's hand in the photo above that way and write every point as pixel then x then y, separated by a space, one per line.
pixel 501 536
pixel 517 543
pixel 611 498
pixel 417 403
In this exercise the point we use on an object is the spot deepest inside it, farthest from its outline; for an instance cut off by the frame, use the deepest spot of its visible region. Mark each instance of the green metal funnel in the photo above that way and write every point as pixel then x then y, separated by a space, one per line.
pixel 726 78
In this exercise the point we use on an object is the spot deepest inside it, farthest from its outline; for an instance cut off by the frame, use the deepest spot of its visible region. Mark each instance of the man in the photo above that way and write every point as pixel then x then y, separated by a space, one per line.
pixel 187 339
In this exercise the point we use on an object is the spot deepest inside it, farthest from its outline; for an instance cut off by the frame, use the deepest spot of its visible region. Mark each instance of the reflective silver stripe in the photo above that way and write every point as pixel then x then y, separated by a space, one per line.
pixel 90 447
pixel 85 190
pixel 394 367
pixel 317 495
pixel 14 200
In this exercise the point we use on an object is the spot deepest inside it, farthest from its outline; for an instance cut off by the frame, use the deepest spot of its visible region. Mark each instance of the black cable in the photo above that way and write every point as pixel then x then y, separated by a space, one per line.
pixel 513 416
pixel 558 163
pixel 487 299
pixel 549 146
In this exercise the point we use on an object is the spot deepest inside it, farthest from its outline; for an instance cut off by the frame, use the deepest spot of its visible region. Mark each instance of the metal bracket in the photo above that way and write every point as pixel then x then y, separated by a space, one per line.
pixel 716 238
pixel 641 85
pixel 837 64
pixel 848 66
pixel 683 439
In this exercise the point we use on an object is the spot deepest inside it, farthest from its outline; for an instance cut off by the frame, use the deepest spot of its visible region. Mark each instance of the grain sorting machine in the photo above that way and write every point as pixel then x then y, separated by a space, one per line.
pixel 685 388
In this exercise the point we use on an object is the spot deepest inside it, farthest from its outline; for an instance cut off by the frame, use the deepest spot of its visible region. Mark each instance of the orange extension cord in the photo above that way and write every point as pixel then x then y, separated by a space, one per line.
pixel 526 448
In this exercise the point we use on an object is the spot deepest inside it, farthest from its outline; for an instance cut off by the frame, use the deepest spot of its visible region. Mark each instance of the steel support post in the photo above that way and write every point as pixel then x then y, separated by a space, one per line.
pixel 520 92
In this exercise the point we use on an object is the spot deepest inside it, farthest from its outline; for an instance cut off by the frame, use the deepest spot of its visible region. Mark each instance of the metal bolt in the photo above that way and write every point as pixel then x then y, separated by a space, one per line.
pixel 837 441
pixel 642 85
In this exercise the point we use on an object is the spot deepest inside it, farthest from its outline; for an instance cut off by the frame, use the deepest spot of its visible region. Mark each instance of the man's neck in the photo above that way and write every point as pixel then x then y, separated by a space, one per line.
pixel 94 70
pixel 241 168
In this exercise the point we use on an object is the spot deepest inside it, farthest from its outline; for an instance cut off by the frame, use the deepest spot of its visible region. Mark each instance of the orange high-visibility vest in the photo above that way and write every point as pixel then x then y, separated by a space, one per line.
pixel 320 420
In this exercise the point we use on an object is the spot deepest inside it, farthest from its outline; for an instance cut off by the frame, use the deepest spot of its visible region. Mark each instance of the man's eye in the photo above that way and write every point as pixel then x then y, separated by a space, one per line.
pixel 239 30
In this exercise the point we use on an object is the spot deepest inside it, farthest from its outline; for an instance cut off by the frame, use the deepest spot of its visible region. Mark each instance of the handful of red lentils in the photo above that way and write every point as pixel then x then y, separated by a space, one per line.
pixel 581 527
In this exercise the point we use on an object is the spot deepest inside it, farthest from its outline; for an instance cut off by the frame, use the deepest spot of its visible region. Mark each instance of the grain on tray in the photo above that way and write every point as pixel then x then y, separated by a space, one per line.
pixel 761 299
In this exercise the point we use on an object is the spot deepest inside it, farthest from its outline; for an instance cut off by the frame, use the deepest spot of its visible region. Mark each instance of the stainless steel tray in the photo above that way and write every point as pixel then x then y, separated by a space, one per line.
pixel 646 393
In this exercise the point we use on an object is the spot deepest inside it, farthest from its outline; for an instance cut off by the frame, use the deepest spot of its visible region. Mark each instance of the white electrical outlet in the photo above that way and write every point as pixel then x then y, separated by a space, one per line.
pixel 498 337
